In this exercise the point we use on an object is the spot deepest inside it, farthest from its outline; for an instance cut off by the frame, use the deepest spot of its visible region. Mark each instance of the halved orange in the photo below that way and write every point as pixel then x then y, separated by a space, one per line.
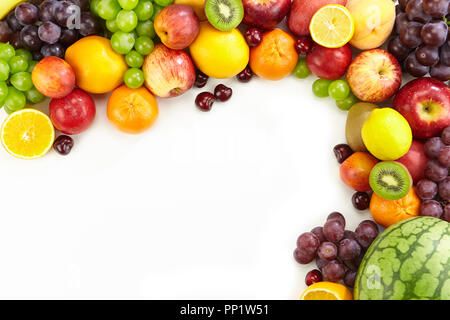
pixel 325 290
pixel 332 26
pixel 27 134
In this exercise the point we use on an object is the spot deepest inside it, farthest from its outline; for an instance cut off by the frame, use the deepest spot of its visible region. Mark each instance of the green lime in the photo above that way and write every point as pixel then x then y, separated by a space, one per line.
pixel 320 87
pixel 144 10
pixel 348 102
pixel 301 70
pixel 339 90
pixel 134 59
pixel 134 78
pixel 122 42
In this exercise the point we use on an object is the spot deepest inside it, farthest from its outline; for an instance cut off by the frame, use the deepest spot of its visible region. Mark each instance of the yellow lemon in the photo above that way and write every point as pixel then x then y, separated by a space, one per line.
pixel 386 134
pixel 98 68
pixel 219 54
pixel 325 290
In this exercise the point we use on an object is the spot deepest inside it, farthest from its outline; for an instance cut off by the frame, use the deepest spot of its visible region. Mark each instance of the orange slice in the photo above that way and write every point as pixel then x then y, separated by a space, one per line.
pixel 325 290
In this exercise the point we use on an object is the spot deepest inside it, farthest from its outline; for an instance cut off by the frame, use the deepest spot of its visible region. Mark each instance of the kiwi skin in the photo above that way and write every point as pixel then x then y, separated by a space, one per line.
pixel 401 183
pixel 218 20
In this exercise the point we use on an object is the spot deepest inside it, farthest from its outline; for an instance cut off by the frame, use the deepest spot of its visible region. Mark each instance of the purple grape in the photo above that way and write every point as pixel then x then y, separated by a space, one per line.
pixel 68 36
pixel 431 208
pixel 320 263
pixel 49 32
pixel 444 157
pixel 349 235
pixel 37 55
pixel 303 257
pixel 434 33
pixel 342 151
pixel 47 11
pixel 402 4
pixel 398 49
pixel 426 189
pixel 446 214
pixel 361 200
pixel 349 249
pixel 333 271
pixel 441 72
pixel 436 8
pixel 414 68
pixel 433 146
pixel 89 25
pixel 445 136
pixel 65 13
pixel 349 278
pixel 55 50
pixel 337 216
pixel 444 189
pixel 415 11
pixel 308 242
pixel 13 23
pixel 435 172
pixel 427 55
pixel 327 251
pixel 83 4
pixel 333 230
pixel 318 231
pixel 366 232
pixel 410 35
pixel 445 54
pixel 26 13
pixel 5 32
pixel 30 38
pixel 400 22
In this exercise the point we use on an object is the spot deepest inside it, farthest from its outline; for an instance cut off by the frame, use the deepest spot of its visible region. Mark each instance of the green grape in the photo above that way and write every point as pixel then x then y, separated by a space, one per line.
pixel 144 10
pixel 163 3
pixel 4 70
pixel 338 90
pixel 126 20
pixel 108 9
pixel 111 25
pixel 134 78
pixel 134 59
pixel 156 10
pixel 128 4
pixel 94 6
pixel 3 91
pixel 122 42
pixel 22 81
pixel 348 102
pixel 146 28
pixel 144 45
pixel 6 51
pixel 301 70
pixel 15 100
pixel 320 87
pixel 24 53
pixel 31 66
pixel 18 64
pixel 34 96
pixel 8 111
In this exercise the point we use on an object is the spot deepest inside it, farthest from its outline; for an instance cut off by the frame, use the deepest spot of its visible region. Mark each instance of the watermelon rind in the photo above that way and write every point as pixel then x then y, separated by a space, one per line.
pixel 408 261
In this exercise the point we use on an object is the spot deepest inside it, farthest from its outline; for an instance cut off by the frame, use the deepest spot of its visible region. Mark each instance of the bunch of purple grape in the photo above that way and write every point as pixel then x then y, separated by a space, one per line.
pixel 434 189
pixel 338 252
pixel 421 38
pixel 48 29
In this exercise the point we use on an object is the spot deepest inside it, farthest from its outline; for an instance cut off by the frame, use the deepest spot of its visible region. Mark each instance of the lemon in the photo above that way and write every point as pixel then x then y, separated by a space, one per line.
pixel 332 26
pixel 386 134
pixel 27 134
pixel 325 290
pixel 219 54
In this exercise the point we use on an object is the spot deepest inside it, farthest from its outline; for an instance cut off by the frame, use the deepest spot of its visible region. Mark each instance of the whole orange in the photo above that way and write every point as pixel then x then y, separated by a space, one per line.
pixel 275 57
pixel 98 68
pixel 132 110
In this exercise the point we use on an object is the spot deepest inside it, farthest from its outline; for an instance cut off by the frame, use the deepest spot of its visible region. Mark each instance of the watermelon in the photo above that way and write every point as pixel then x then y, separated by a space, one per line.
pixel 409 260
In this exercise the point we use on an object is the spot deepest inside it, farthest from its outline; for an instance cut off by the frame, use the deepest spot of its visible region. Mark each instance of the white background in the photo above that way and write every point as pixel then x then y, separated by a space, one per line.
pixel 201 206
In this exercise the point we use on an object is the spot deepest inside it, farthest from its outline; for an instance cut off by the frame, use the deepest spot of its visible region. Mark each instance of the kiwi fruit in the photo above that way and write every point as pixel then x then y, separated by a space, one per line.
pixel 356 117
pixel 224 15
pixel 390 180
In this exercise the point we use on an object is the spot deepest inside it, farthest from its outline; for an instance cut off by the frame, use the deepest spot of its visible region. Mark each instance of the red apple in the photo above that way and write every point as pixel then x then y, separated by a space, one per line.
pixel 415 160
pixel 425 103
pixel 177 26
pixel 265 14
pixel 168 73
pixel 329 63
pixel 53 77
pixel 74 113
pixel 374 75
pixel 302 12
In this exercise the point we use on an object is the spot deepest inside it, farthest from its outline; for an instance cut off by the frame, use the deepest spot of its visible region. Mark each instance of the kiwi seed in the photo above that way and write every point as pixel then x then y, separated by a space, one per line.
pixel 390 180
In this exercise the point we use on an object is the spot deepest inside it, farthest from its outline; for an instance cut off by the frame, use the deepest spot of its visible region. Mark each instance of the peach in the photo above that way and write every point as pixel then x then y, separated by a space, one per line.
pixel 355 171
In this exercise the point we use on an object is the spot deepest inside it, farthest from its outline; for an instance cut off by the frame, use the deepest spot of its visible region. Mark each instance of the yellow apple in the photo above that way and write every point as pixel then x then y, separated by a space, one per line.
pixel 374 21
pixel 197 5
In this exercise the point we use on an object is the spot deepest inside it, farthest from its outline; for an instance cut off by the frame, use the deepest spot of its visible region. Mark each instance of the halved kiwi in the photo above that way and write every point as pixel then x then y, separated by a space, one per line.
pixel 390 180
pixel 224 15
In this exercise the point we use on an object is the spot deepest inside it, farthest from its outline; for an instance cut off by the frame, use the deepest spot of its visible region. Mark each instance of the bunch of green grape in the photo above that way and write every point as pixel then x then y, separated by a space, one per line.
pixel 131 25
pixel 16 87
pixel 339 90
